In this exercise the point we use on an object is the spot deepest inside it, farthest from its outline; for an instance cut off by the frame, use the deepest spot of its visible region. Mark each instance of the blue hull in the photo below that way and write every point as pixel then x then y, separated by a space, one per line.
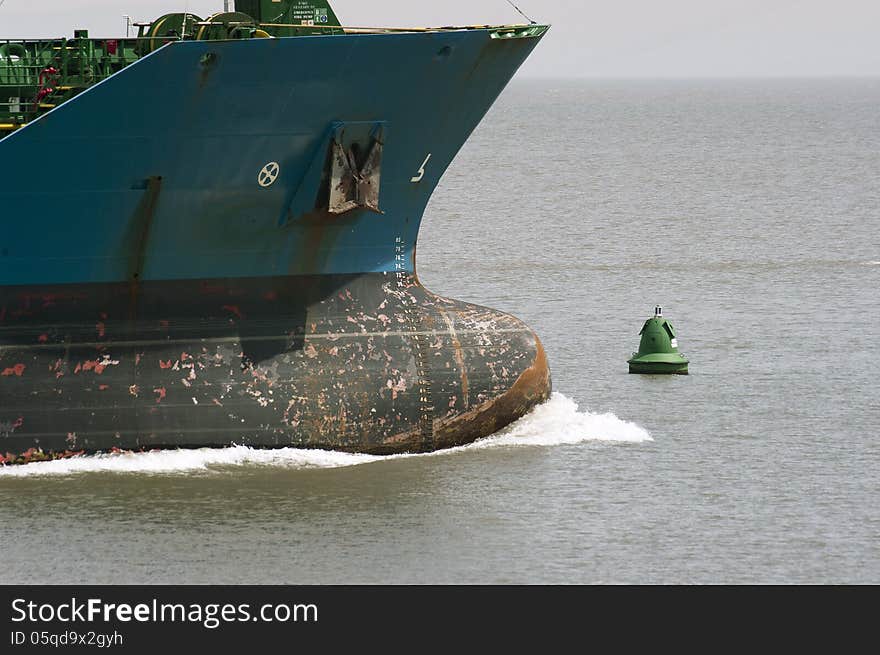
pixel 171 275
pixel 72 182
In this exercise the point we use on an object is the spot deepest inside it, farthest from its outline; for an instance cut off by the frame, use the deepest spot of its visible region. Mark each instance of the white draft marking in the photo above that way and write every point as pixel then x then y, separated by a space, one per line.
pixel 269 174
pixel 418 178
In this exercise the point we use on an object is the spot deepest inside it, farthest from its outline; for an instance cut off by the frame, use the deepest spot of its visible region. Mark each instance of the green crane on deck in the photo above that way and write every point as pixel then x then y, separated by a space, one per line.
pixel 38 75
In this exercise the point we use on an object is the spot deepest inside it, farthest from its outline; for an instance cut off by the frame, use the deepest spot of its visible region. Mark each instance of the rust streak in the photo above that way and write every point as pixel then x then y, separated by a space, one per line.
pixel 142 222
pixel 532 386
pixel 233 309
pixel 17 371
pixel 458 354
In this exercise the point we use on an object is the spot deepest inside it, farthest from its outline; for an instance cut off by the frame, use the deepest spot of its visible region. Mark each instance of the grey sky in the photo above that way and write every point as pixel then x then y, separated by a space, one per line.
pixel 590 38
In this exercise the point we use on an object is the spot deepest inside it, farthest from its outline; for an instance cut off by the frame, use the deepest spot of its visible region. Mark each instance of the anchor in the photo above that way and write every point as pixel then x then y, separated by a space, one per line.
pixel 354 186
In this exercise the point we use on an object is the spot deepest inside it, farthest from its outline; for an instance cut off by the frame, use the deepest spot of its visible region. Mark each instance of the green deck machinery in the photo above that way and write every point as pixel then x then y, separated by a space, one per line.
pixel 38 75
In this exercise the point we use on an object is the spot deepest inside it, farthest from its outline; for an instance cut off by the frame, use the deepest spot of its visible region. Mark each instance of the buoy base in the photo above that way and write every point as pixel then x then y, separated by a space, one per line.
pixel 659 369
pixel 659 363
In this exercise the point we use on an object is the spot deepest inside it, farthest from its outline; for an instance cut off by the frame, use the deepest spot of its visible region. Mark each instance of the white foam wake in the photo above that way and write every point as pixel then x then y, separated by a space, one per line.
pixel 190 461
pixel 556 422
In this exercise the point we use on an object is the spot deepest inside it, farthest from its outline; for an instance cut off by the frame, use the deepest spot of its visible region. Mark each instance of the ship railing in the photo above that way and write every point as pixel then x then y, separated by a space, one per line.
pixel 86 58
pixel 516 28
pixel 38 74
pixel 127 44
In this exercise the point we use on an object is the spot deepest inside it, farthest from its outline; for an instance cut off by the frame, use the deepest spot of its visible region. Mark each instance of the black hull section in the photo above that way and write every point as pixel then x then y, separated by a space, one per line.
pixel 368 363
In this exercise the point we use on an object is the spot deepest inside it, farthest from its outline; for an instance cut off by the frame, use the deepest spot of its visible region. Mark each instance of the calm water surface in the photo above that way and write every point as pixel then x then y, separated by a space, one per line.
pixel 749 209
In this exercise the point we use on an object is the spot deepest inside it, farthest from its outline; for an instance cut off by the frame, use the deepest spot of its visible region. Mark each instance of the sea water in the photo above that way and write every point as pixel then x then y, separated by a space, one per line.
pixel 748 209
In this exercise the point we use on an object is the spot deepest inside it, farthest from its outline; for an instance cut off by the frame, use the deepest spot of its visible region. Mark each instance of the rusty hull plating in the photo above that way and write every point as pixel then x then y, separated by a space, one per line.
pixel 369 363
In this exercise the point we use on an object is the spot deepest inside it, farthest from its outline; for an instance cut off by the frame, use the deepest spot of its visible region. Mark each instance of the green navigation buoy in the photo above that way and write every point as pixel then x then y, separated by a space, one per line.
pixel 658 349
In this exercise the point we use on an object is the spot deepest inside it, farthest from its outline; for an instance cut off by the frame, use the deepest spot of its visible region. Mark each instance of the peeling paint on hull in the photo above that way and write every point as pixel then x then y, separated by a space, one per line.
pixel 369 363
